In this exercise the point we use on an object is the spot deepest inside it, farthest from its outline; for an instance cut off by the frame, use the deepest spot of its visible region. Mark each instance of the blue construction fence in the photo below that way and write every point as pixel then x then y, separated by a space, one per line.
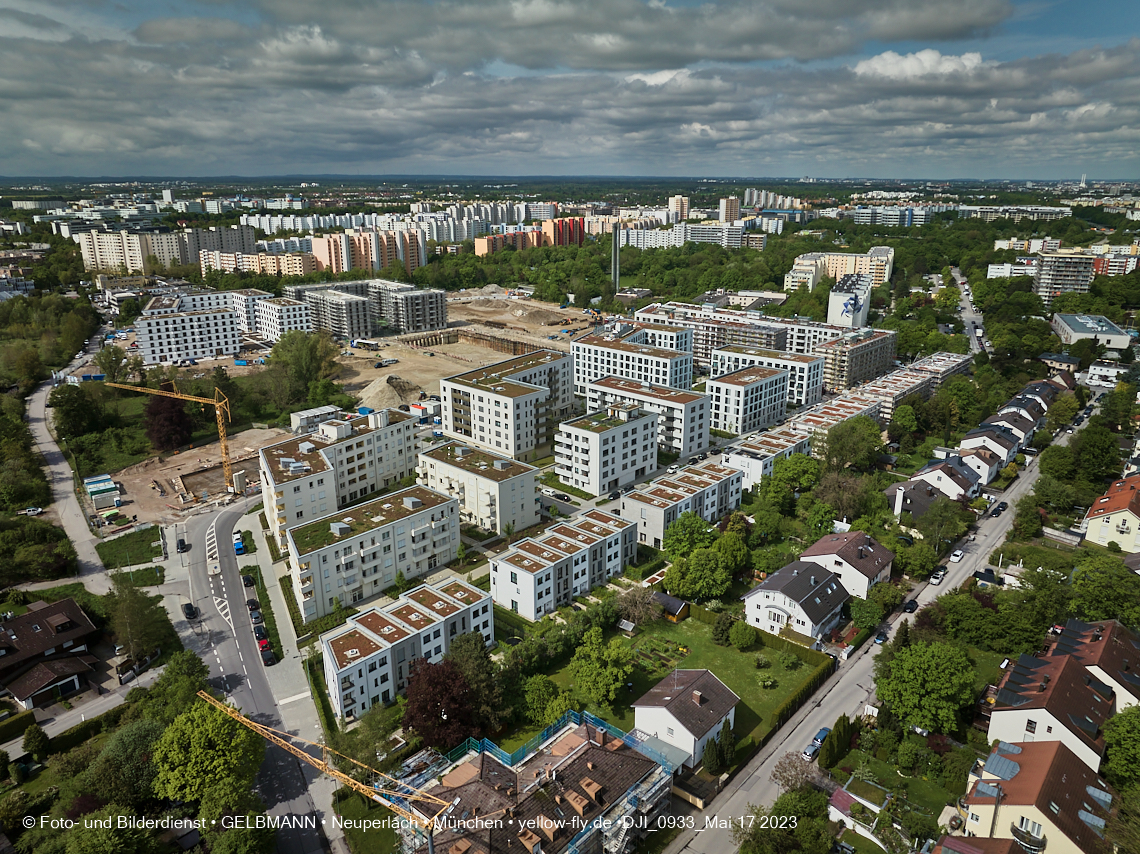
pixel 483 745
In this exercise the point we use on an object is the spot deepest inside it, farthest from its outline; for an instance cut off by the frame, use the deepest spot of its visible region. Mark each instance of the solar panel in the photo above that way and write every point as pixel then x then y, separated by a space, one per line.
pixel 1007 748
pixel 1100 796
pixel 1005 697
pixel 1002 766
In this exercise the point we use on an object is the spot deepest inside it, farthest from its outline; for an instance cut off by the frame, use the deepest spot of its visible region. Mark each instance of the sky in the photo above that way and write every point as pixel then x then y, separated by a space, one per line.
pixel 1022 89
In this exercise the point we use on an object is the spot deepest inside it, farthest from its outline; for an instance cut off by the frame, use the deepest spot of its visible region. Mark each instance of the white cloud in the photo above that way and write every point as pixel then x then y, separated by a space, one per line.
pixel 924 63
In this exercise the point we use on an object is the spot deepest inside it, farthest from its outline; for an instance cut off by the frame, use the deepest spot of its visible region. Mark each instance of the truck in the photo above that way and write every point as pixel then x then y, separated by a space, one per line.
pixel 239 546
pixel 386 362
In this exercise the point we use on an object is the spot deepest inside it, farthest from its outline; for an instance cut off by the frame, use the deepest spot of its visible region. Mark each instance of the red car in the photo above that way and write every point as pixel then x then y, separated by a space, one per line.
pixel 263 645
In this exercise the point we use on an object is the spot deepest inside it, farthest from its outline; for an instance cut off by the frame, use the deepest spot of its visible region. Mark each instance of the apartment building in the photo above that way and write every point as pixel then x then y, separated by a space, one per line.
pixel 683 417
pixel 368 659
pixel 747 400
pixel 275 264
pixel 1115 516
pixel 278 315
pixel 170 337
pixel 755 457
pixel 849 303
pixel 824 416
pixel 678 207
pixel 728 210
pixel 404 308
pixel 856 357
pixel 606 450
pixel 539 575
pixel 805 373
pixel 355 553
pixel 989 213
pixel 1062 272
pixel 716 328
pixel 1034 245
pixel 878 262
pixel 597 356
pixel 707 489
pixel 656 335
pixel 727 235
pixel 128 250
pixel 343 459
pixel 493 491
pixel 370 249
pixel 893 388
pixel 511 407
pixel 1071 328
pixel 942 366
pixel 343 314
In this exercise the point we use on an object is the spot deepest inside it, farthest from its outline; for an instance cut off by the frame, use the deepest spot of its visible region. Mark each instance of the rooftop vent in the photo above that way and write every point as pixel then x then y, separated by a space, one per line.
pixel 502 465
pixel 462 451
pixel 412 503
pixel 339 529
pixel 353 653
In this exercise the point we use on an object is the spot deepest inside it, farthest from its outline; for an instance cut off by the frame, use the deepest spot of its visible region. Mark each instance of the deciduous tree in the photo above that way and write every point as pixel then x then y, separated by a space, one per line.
pixel 742 636
pixel 638 606
pixel 469 653
pixel 439 704
pixel 688 533
pixel 865 614
pixel 168 426
pixel 928 684
pixel 112 361
pixel 1122 746
pixel 138 619
pixel 853 443
pixel 600 669
pixel 203 751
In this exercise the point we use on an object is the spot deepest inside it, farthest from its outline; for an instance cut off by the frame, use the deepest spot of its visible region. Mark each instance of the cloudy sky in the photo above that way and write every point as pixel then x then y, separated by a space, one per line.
pixel 836 88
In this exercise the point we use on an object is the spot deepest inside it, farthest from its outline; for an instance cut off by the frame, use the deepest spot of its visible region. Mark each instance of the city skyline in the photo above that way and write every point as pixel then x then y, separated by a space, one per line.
pixel 872 89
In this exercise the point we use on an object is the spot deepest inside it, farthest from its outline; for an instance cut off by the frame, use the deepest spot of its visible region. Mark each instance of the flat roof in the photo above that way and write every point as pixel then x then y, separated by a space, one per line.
pixel 353 639
pixel 290 449
pixel 1090 324
pixel 481 463
pixel 855 338
pixel 414 617
pixel 627 347
pixel 364 517
pixel 382 626
pixel 748 376
pixel 656 392
pixel 601 421
pixel 768 443
pixel 897 382
pixel 462 592
pixel 497 377
pixel 431 600
pixel 780 355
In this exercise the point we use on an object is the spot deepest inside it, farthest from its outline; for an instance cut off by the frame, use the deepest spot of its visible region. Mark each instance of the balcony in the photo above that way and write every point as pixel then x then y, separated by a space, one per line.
pixel 306 581
pixel 1032 844
pixel 346 683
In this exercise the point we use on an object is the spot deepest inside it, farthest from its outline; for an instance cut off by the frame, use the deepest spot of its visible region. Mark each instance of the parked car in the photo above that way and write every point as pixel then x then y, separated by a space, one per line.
pixel 268 658
pixel 247 581
pixel 33 511
pixel 264 644
pixel 562 496
pixel 259 633
pixel 255 617
pixel 1003 506
pixel 938 574
pixel 821 736
pixel 810 752
pixel 910 606
pixel 547 491
pixel 672 469
pixel 881 637
pixel 189 611
pixel 614 496
pixel 957 555
pixel 628 489
pixel 253 605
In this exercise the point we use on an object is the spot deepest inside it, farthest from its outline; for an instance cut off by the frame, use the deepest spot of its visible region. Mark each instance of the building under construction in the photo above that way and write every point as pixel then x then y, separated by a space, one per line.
pixel 579 787
pixel 498 343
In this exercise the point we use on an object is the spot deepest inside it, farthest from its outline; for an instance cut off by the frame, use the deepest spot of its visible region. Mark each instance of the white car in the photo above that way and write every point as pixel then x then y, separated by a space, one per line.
pixel 33 511
pixel 672 469
pixel 957 555
pixel 937 577
pixel 548 492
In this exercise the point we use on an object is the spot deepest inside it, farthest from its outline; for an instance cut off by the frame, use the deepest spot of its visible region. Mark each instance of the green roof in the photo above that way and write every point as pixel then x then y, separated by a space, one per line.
pixel 363 518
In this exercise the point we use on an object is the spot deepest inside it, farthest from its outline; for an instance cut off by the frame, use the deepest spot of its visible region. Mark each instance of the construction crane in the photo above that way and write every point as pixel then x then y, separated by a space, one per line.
pixel 384 794
pixel 221 406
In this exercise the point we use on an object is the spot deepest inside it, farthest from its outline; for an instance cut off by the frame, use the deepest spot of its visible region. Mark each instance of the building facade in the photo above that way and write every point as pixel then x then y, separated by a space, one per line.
pixel 856 357
pixel 404 308
pixel 805 373
pixel 755 457
pixel 1071 328
pixel 277 316
pixel 597 356
pixel 801 597
pixel 747 400
pixel 606 450
pixel 683 417
pixel 707 489
pixel 1063 272
pixel 493 491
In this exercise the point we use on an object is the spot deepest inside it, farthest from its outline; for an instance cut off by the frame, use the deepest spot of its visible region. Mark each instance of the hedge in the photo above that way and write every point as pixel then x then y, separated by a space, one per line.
pixel 14 726
pixel 788 708
pixel 704 615
pixel 860 638
pixel 811 656
pixel 315 672
pixel 483 583
pixel 314 628
pixel 89 728
pixel 509 618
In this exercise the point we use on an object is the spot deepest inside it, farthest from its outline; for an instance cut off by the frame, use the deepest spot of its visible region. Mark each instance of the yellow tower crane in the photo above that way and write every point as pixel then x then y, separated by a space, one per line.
pixel 221 406
pixel 385 792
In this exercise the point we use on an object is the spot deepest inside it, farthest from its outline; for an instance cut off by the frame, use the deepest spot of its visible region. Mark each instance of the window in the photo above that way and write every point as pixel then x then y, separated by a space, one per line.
pixel 1031 726
pixel 1030 827
pixel 975 818
pixel 669 732
pixel 514 578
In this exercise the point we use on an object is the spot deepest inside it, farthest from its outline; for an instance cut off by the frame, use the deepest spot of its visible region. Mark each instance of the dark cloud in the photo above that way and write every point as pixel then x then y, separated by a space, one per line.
pixel 620 87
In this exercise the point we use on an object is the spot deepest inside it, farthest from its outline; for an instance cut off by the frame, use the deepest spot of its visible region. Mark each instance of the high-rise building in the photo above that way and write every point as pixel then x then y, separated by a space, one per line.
pixel 277 316
pixel 1062 272
pixel 729 210
pixel 678 208
pixel 748 400
pixel 606 450
pixel 343 314
pixel 405 308
pixel 856 357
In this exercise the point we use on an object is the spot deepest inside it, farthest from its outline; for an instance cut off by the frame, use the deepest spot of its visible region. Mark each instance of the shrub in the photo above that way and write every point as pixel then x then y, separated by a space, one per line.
pixel 788 661
pixel 768 683
pixel 722 629
pixel 742 635
pixel 856 808
pixel 19 774
pixel 715 605
pixel 762 662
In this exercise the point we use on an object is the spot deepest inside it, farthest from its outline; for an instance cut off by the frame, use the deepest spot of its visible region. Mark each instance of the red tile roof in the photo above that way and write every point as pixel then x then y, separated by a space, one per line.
pixel 1122 495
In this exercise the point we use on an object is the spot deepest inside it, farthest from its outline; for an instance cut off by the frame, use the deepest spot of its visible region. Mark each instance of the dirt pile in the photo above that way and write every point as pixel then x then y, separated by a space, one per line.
pixel 389 391
pixel 546 318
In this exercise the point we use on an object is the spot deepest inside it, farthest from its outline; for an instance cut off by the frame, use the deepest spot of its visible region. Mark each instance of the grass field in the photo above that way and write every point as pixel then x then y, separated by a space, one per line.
pixel 148 576
pixel 380 840
pixel 133 548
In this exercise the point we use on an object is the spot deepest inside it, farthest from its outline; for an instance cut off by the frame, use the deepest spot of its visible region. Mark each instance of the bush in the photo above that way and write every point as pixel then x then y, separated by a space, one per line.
pixel 768 683
pixel 762 662
pixel 789 661
pixel 742 635
pixel 722 629
pixel 15 725
pixel 36 742
pixel 72 738
pixel 19 774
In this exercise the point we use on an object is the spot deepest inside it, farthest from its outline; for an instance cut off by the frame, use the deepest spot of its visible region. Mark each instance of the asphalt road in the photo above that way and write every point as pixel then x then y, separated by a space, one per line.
pixel 849 690
pixel 224 639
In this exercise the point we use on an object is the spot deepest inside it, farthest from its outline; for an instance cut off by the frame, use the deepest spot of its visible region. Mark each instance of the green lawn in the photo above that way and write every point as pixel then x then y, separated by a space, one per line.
pixel 551 479
pixel 987 667
pixel 133 548
pixel 148 576
pixel 378 840
pixel 922 793
pixel 658 647
pixel 861 844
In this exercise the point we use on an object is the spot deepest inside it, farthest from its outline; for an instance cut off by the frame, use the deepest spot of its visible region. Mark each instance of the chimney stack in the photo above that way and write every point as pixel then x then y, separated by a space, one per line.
pixel 697 697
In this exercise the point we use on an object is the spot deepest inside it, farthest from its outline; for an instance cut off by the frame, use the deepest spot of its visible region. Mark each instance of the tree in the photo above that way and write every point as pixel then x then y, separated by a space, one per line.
pixel 742 636
pixel 306 357
pixel 101 834
pixel 905 418
pixel 168 426
pixel 917 561
pixel 733 551
pixel 124 768
pixel 1122 746
pixel 36 742
pixel 887 596
pixel 203 751
pixel 791 772
pixel 726 741
pixel 74 412
pixel 722 628
pixel 461 554
pixel 942 523
pixel 560 705
pixel 175 690
pixel 4 765
pixel 702 575
pixel 1104 589
pixel 1096 450
pixel 439 704
pixel 469 653
pixel 853 443
pixel 820 520
pixel 539 692
pixel 1062 412
pixel 794 473
pixel 638 605
pixel 866 614
pixel 927 685
pixel 688 533
pixel 775 832
pixel 112 361
pixel 1027 518
pixel 138 619
pixel 842 490
pixel 1123 829
pixel 600 669
pixel 1057 461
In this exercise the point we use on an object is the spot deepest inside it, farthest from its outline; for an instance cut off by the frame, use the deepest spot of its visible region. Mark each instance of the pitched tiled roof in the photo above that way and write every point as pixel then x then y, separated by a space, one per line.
pixel 48 626
pixel 1107 645
pixel 918 498
pixel 997 432
pixel 953 469
pixel 44 674
pixel 676 693
pixel 1122 495
pixel 817 591
pixel 855 547
pixel 1049 776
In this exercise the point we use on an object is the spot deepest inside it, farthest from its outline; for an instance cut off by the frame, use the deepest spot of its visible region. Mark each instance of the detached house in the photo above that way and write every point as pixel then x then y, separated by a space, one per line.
pixel 858 560
pixel 911 496
pixel 1108 652
pixel 1115 516
pixel 686 709
pixel 952 477
pixel 801 597
pixel 43 652
pixel 997 438
pixel 1016 423
pixel 983 461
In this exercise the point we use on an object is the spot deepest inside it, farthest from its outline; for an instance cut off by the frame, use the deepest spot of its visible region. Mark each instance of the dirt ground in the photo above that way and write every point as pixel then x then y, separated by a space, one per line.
pixel 199 468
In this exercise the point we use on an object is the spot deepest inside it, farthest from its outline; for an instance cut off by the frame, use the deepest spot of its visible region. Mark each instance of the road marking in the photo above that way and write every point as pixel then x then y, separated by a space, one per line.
pixel 223 607
pixel 294 698
pixel 246 672
pixel 239 656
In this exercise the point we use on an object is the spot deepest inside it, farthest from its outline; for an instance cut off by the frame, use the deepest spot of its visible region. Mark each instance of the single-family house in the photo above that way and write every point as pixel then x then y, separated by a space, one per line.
pixel 1115 516
pixel 952 477
pixel 858 560
pixel 802 597
pixel 911 496
pixel 983 461
pixel 686 709
pixel 993 437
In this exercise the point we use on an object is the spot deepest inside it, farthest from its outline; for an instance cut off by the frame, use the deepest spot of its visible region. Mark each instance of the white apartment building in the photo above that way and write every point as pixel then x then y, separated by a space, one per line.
pixel 207 334
pixel 597 356
pixel 657 335
pixel 683 417
pixel 512 407
pixel 493 491
pixel 343 314
pixel 538 575
pixel 726 235
pixel 342 460
pixel 244 304
pixel 606 450
pixel 355 553
pixel 878 262
pixel 755 457
pixel 748 400
pixel 277 316
pixel 707 489
pixel 128 251
pixel 849 303
pixel 805 373
pixel 368 659
pixel 824 416
pixel 1034 245
pixel 893 388
pixel 1062 272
